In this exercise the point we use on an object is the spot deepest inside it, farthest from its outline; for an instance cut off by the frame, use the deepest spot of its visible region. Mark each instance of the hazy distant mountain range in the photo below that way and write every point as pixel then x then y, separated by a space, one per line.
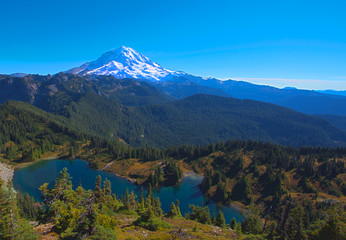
pixel 333 92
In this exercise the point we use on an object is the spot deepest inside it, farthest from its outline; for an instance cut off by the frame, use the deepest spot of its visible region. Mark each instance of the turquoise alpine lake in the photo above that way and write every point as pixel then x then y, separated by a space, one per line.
pixel 28 179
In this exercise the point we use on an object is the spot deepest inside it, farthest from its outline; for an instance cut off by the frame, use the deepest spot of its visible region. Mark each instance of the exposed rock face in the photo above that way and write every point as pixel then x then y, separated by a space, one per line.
pixel 6 172
pixel 21 89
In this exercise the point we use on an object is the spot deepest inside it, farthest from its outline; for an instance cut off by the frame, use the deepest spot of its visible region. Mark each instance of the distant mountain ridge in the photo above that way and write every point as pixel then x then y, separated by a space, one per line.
pixel 334 92
pixel 125 62
pixel 306 101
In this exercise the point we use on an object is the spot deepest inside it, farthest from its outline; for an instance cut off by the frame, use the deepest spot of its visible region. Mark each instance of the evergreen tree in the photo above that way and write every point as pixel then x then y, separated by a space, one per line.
pixel 107 188
pixel 98 188
pixel 172 212
pixel 335 225
pixel 242 191
pixel 220 220
pixel 213 218
pixel 177 206
pixel 252 223
pixel 221 193
pixel 141 206
pixel 127 199
pixel 28 207
pixel 11 226
pixel 200 214
pixel 206 183
pixel 233 224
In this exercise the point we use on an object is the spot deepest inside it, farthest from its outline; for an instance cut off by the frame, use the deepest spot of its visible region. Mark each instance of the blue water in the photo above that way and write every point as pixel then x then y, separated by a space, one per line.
pixel 30 178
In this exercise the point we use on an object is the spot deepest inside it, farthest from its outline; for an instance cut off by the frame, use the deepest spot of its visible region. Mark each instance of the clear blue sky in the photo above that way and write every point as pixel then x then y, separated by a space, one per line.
pixel 281 43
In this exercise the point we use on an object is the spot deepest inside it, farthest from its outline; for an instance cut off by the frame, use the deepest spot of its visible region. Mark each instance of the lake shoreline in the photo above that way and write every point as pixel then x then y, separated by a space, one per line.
pixel 186 174
pixel 189 185
pixel 25 164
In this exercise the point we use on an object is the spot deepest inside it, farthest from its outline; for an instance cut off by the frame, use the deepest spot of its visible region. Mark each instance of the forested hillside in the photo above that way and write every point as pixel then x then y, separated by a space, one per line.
pixel 140 115
pixel 338 121
pixel 27 132
pixel 200 119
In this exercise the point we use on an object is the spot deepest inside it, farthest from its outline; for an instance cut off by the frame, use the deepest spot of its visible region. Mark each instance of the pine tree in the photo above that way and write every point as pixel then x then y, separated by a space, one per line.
pixel 252 223
pixel 98 188
pixel 62 184
pixel 11 226
pixel 220 220
pixel 172 212
pixel 221 193
pixel 233 223
pixel 149 198
pixel 206 183
pixel 199 214
pixel 213 219
pixel 141 206
pixel 157 207
pixel 107 188
pixel 28 207
pixel 127 199
pixel 177 206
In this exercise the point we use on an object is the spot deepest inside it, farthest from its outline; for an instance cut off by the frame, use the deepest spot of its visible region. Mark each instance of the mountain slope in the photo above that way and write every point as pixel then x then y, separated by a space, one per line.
pixel 211 118
pixel 54 92
pixel 124 62
pixel 315 104
pixel 27 132
pixel 306 101
pixel 183 89
pixel 109 107
pixel 200 119
pixel 337 121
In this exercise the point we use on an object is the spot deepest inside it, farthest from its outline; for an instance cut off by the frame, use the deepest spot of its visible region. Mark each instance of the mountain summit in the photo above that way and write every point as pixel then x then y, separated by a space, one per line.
pixel 125 62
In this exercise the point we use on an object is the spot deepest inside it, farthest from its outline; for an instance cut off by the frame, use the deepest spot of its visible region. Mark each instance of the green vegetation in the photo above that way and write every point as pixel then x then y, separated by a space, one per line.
pixel 11 224
pixel 28 134
pixel 107 107
pixel 79 214
pixel 272 214
pixel 174 211
pixel 288 193
pixel 181 122
pixel 29 209
pixel 236 167
pixel 87 214
pixel 97 214
pixel 167 174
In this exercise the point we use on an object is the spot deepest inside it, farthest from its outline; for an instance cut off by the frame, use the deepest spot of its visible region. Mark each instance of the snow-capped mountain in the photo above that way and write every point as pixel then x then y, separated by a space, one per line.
pixel 125 62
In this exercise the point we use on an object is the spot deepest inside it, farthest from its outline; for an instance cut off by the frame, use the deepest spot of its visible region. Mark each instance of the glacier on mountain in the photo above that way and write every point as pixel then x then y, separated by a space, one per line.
pixel 125 62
